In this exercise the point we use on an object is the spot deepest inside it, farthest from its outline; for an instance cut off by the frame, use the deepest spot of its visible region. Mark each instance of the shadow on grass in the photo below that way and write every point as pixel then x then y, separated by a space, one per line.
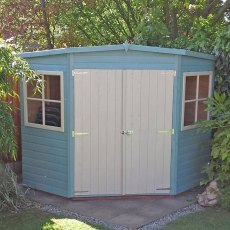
pixel 33 219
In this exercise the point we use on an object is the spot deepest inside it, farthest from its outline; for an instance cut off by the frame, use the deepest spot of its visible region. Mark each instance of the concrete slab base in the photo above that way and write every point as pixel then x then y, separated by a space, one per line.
pixel 131 213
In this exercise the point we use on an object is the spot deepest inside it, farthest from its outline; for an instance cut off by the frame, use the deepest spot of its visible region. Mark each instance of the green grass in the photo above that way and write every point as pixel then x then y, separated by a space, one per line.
pixel 34 219
pixel 210 219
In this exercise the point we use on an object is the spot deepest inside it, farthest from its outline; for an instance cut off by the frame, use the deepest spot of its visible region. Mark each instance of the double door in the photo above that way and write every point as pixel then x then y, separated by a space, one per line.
pixel 123 127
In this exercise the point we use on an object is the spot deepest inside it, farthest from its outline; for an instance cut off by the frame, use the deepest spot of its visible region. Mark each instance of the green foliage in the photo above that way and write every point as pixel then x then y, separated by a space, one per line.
pixel 225 197
pixel 219 166
pixel 8 145
pixel 11 197
pixel 219 108
pixel 12 70
pixel 39 24
pixel 222 68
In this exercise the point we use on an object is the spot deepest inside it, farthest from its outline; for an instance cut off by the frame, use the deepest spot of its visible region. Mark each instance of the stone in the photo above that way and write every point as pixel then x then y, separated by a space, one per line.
pixel 210 196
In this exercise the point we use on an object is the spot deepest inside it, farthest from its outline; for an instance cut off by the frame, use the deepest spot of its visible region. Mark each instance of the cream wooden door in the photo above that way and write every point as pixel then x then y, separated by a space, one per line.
pixel 98 117
pixel 137 102
pixel 147 116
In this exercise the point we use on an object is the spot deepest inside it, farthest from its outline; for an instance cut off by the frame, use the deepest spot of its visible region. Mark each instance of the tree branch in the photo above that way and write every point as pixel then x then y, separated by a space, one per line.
pixel 46 24
pixel 86 34
pixel 208 9
pixel 130 9
pixel 123 15
pixel 222 10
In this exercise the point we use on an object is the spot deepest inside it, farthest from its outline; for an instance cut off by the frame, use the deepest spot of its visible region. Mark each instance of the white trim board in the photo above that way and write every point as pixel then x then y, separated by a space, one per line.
pixel 187 74
pixel 43 126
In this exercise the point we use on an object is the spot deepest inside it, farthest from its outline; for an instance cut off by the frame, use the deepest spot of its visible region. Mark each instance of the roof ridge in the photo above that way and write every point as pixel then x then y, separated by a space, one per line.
pixel 126 47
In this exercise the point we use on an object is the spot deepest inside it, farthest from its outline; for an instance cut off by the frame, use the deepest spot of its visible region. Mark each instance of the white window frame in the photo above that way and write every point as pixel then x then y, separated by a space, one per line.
pixel 198 74
pixel 26 98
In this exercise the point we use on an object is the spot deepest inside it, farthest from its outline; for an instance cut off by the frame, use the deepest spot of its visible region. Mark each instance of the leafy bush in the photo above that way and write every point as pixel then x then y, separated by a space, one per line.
pixel 8 142
pixel 11 196
pixel 219 110
pixel 12 70
pixel 225 197
pixel 219 166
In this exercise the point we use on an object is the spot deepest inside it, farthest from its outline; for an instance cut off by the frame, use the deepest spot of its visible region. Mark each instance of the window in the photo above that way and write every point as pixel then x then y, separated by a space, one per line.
pixel 45 110
pixel 196 91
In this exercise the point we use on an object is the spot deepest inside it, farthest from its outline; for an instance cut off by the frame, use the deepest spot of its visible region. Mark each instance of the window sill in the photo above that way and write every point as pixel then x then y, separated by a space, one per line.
pixel 45 127
pixel 189 127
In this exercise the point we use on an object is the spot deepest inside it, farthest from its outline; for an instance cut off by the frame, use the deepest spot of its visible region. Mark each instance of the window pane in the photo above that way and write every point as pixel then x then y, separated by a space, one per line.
pixel 34 111
pixel 52 87
pixel 53 114
pixel 190 87
pixel 189 113
pixel 203 86
pixel 30 90
pixel 201 113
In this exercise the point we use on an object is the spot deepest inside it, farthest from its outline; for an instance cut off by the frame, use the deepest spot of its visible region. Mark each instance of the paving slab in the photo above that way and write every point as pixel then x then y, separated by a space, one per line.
pixel 127 212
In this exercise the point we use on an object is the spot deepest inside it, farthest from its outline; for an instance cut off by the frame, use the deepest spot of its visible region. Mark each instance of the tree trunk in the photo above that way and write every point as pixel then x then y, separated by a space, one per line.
pixel 50 45
pixel 171 19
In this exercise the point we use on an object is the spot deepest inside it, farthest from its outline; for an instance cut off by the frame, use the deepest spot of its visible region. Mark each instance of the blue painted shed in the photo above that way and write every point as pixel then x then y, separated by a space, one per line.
pixel 115 120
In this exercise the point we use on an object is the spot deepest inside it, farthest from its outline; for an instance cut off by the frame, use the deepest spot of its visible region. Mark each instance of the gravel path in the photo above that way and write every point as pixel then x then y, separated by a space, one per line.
pixel 60 212
pixel 158 224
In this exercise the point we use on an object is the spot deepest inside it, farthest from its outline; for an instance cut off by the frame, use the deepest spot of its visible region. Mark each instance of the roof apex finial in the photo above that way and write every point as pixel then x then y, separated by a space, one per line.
pixel 126 46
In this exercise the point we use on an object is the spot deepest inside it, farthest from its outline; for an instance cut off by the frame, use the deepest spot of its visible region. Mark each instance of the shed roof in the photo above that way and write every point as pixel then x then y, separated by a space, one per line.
pixel 126 47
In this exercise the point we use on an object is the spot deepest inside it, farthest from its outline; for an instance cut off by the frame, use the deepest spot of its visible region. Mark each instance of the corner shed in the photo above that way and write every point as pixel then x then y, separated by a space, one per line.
pixel 115 120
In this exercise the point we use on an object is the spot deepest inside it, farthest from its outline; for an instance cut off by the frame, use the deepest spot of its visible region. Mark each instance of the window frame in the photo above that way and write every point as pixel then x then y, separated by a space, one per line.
pixel 197 74
pixel 43 100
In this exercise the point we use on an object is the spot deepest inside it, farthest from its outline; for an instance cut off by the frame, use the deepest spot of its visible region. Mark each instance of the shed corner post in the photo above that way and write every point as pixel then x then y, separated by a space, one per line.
pixel 176 125
pixel 71 151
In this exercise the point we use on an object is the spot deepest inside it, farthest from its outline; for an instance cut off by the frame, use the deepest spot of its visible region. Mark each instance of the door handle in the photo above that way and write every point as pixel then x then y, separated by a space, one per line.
pixel 127 132
pixel 74 134
pixel 171 131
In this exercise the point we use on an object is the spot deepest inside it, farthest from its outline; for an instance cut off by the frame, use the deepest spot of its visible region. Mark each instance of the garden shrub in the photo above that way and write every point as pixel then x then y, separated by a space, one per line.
pixel 219 124
pixel 219 166
pixel 225 197
pixel 11 196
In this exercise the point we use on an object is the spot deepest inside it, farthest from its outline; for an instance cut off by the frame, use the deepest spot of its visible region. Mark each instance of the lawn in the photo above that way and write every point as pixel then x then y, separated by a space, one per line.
pixel 34 219
pixel 210 219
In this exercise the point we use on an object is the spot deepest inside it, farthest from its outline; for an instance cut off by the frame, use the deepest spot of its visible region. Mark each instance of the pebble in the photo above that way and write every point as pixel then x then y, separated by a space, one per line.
pixel 160 223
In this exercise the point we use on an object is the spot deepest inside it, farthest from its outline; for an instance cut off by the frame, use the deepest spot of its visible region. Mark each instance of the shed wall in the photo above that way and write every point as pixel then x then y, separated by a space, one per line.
pixel 48 156
pixel 193 145
pixel 45 152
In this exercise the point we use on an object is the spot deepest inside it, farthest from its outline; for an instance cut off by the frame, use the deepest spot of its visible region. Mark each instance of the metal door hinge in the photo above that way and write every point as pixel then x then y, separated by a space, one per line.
pixel 74 134
pixel 171 131
pixel 76 72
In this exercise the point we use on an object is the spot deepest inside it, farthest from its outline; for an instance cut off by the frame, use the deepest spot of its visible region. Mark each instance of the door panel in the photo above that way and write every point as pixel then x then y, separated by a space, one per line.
pixel 147 109
pixel 108 101
pixel 98 105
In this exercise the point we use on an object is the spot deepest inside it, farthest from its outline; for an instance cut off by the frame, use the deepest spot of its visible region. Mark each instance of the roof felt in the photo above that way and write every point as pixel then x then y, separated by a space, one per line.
pixel 125 47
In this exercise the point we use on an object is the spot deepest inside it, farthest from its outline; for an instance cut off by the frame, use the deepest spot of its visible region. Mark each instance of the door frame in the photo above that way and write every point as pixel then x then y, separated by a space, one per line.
pixel 122 154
